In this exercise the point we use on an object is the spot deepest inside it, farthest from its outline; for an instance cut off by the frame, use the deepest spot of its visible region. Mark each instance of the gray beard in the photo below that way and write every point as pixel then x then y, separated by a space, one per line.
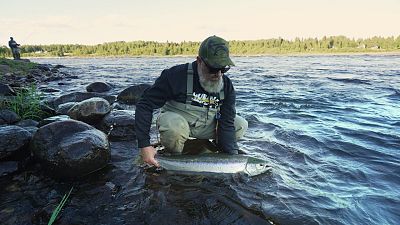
pixel 211 86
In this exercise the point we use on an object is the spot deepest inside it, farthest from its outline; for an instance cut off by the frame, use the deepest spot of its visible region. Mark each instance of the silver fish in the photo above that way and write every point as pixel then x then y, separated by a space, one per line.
pixel 214 163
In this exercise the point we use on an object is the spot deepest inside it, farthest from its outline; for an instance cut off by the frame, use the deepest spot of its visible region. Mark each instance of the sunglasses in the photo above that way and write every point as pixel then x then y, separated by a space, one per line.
pixel 213 70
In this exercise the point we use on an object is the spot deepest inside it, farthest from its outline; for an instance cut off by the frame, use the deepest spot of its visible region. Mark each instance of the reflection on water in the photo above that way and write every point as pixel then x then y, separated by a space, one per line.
pixel 329 126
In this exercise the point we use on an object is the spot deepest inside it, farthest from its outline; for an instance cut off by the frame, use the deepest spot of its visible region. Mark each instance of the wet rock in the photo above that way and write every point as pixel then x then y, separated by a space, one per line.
pixel 132 94
pixel 70 149
pixel 7 168
pixel 8 117
pixel 27 123
pixel 53 119
pixel 98 87
pixel 14 142
pixel 64 108
pixel 6 90
pixel 78 97
pixel 90 110
pixel 119 125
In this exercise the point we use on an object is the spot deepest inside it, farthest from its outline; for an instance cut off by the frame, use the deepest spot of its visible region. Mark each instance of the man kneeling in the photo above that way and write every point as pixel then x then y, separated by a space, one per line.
pixel 197 100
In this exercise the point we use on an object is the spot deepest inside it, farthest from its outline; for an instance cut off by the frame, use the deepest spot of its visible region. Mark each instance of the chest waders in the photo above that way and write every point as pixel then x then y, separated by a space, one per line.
pixel 202 121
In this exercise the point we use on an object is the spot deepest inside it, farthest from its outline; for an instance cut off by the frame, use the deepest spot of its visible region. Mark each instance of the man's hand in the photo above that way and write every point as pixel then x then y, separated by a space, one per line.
pixel 148 154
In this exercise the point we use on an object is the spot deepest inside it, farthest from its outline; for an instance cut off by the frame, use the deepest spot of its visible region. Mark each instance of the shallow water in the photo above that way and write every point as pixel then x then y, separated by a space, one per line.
pixel 328 125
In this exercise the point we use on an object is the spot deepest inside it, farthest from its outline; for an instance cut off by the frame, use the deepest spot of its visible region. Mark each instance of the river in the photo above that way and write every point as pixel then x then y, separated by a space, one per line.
pixel 328 125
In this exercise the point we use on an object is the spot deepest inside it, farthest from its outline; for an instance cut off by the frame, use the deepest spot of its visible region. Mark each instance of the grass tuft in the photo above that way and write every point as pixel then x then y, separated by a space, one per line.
pixel 58 209
pixel 26 103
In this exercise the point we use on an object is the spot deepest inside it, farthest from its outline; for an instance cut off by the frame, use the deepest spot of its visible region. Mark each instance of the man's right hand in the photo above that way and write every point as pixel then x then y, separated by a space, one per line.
pixel 148 154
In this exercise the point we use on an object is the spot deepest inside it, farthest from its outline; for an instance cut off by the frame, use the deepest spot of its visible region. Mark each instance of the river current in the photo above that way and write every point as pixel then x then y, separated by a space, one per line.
pixel 328 125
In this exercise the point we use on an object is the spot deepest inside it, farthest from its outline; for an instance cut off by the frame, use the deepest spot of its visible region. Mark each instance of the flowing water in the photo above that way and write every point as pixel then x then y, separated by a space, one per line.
pixel 328 125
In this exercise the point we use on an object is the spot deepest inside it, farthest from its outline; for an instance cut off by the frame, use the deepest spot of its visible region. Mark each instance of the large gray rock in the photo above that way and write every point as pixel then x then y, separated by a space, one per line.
pixel 98 87
pixel 78 97
pixel 70 149
pixel 132 94
pixel 119 125
pixel 8 117
pixel 90 110
pixel 13 142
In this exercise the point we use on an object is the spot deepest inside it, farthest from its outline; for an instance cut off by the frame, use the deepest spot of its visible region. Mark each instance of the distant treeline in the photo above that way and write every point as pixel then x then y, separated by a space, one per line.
pixel 335 44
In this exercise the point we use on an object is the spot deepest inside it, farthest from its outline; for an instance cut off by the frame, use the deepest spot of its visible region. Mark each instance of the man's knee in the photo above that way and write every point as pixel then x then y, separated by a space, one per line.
pixel 174 131
pixel 241 126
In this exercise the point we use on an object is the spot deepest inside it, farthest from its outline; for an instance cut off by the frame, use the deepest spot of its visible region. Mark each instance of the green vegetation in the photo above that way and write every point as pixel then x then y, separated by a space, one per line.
pixel 335 44
pixel 15 66
pixel 57 210
pixel 26 103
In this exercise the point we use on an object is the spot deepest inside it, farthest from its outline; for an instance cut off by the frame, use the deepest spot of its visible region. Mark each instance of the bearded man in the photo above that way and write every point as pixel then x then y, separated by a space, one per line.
pixel 197 100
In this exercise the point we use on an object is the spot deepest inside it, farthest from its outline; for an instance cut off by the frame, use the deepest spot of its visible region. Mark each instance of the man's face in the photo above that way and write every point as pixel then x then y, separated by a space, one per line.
pixel 206 72
pixel 211 81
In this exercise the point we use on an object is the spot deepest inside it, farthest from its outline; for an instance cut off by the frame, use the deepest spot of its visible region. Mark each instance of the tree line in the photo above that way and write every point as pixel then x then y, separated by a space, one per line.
pixel 334 44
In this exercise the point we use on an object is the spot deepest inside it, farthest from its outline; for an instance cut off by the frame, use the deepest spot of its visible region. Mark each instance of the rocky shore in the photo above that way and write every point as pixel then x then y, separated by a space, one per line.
pixel 72 138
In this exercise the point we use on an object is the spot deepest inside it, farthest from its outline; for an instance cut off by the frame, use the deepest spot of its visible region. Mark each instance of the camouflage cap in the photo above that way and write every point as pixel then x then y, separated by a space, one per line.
pixel 215 51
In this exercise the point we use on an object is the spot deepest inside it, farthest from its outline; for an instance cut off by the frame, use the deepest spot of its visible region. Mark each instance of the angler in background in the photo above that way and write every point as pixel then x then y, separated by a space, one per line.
pixel 14 48
pixel 197 100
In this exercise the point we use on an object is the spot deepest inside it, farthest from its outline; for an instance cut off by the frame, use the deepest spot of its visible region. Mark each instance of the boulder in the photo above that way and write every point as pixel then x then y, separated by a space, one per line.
pixel 8 117
pixel 13 142
pixel 70 149
pixel 119 125
pixel 91 110
pixel 132 94
pixel 98 87
pixel 78 97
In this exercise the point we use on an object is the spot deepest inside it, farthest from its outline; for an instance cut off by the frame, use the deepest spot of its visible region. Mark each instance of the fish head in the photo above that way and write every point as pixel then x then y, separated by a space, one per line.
pixel 256 166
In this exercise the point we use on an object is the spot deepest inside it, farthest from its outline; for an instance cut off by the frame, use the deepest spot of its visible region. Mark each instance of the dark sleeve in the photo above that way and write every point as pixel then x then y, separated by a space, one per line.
pixel 226 128
pixel 153 98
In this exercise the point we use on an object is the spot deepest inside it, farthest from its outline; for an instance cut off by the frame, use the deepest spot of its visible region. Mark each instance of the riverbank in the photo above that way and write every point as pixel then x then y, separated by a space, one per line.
pixel 374 53
pixel 20 73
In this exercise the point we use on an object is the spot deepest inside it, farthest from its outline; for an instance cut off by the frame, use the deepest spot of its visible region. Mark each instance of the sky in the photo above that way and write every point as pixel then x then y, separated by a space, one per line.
pixel 98 21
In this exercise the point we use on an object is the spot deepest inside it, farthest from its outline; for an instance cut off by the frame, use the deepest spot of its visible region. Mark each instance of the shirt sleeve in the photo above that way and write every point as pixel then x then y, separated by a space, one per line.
pixel 153 98
pixel 226 128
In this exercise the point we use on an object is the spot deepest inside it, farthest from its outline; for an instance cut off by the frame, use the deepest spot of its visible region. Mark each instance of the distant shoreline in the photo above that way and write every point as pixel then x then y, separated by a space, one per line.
pixel 394 53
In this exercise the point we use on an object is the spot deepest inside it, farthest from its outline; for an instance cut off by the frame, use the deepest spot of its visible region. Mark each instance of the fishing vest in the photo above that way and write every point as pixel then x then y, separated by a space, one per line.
pixel 202 120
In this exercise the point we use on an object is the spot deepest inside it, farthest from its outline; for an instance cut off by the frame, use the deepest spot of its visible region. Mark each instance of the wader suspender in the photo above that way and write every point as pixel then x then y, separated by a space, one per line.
pixel 189 94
